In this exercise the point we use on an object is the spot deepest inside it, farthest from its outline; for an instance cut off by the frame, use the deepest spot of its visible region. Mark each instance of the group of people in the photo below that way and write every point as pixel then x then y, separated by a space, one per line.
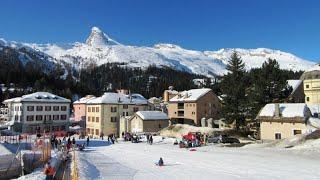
pixel 149 139
pixel 112 138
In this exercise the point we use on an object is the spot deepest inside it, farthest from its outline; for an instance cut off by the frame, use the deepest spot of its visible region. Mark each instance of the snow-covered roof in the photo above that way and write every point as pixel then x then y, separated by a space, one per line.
pixel 286 110
pixel 294 84
pixel 190 95
pixel 119 98
pixel 38 97
pixel 314 108
pixel 84 100
pixel 152 115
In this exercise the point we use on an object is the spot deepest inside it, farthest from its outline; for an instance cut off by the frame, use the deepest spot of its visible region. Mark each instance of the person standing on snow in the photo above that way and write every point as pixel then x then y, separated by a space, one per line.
pixel 88 141
pixel 151 140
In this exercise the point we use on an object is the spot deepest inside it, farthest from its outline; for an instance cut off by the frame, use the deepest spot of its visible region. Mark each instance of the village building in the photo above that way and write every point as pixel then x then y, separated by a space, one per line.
pixel 311 85
pixel 148 121
pixel 80 106
pixel 168 94
pixel 191 106
pixel 103 113
pixel 280 121
pixel 38 112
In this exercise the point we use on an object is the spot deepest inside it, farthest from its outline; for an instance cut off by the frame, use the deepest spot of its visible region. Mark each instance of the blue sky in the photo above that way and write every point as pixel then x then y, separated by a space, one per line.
pixel 288 25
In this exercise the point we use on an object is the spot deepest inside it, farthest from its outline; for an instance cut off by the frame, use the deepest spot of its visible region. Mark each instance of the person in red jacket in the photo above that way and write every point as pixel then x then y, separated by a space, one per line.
pixel 49 171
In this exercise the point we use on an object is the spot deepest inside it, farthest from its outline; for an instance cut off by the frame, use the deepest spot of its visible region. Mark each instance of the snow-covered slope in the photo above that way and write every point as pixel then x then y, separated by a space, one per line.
pixel 100 49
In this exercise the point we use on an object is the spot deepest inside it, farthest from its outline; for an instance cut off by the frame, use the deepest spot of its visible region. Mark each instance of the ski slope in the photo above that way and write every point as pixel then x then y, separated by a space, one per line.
pixel 125 160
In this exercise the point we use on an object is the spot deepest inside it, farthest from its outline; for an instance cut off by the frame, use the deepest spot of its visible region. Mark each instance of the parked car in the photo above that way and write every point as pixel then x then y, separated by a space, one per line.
pixel 222 139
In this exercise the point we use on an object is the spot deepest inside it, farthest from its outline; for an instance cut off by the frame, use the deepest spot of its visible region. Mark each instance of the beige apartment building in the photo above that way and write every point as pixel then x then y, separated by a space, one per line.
pixel 280 121
pixel 103 113
pixel 311 85
pixel 191 106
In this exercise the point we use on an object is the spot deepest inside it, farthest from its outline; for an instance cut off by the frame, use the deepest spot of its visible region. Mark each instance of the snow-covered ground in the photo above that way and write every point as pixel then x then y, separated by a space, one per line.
pixel 125 160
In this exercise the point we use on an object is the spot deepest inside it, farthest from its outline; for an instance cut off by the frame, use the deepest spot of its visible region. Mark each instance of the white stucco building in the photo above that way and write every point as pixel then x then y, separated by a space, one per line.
pixel 37 112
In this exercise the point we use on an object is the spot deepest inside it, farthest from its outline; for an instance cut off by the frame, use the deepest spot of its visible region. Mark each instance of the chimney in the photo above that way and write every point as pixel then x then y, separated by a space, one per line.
pixel 277 110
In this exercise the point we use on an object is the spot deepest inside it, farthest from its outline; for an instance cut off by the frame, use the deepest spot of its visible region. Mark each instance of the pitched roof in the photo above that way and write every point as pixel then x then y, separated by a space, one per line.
pixel 286 110
pixel 294 84
pixel 152 115
pixel 84 100
pixel 190 95
pixel 118 98
pixel 38 97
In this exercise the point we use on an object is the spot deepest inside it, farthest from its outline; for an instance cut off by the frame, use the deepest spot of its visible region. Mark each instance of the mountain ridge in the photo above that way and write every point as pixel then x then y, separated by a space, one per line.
pixel 99 49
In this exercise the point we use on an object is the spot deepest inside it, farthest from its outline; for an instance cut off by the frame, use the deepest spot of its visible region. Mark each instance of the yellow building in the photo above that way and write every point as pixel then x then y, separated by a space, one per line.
pixel 191 106
pixel 280 121
pixel 103 113
pixel 311 85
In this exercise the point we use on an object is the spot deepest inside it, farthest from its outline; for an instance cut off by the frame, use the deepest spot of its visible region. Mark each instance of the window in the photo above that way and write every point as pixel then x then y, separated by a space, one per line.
pixel 30 108
pixel 308 99
pixel 63 108
pixel 93 109
pixel 113 119
pixel 16 117
pixel 55 117
pixel 89 118
pixel 47 117
pixel 88 130
pixel 97 119
pixel 38 117
pixel 39 108
pixel 307 86
pixel 123 113
pixel 56 108
pixel 97 109
pixel 30 118
pixel 127 113
pixel 159 126
pixel 113 109
pixel 125 106
pixel 47 108
pixel 63 117
pixel 180 105
pixel 277 135
pixel 135 109
pixel 180 113
pixel 63 128
pixel 296 131
pixel 97 132
pixel 89 109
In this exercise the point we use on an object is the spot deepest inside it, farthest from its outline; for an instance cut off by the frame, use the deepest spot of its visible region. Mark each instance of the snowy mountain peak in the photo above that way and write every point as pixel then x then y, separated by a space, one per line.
pixel 98 38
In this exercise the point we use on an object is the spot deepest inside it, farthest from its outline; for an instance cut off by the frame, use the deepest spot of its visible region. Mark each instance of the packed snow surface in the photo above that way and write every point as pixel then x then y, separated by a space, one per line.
pixel 125 160
pixel 286 110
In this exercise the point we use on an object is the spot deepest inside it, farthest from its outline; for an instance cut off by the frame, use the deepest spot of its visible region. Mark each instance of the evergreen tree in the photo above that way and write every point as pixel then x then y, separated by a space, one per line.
pixel 233 87
pixel 268 85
